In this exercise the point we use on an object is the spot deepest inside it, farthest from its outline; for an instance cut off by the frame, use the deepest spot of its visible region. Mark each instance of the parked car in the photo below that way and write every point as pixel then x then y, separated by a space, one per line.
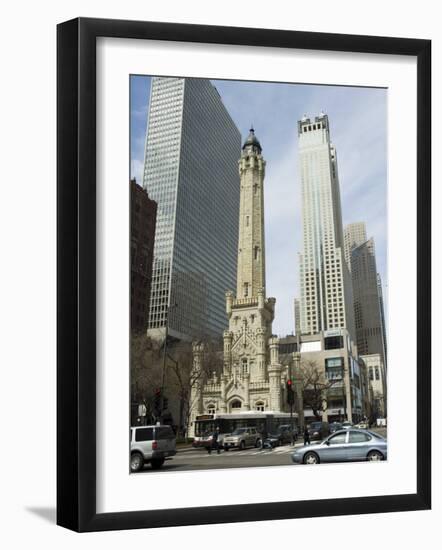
pixel 151 444
pixel 343 446
pixel 361 425
pixel 286 434
pixel 318 430
pixel 242 438
pixel 283 434
pixel 346 425
pixel 206 440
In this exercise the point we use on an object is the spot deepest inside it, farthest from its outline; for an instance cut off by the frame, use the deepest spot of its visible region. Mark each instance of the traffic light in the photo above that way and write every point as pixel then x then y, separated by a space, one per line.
pixel 290 392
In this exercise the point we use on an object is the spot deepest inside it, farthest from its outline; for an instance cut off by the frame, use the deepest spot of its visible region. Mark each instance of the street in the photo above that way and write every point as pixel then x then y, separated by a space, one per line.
pixel 199 459
pixel 189 458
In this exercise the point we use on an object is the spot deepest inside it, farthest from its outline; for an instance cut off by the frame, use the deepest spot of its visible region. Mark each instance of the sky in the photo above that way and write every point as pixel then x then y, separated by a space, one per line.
pixel 358 130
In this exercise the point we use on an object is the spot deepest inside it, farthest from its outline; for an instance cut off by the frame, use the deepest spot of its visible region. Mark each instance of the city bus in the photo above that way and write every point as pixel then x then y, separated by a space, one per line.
pixel 265 422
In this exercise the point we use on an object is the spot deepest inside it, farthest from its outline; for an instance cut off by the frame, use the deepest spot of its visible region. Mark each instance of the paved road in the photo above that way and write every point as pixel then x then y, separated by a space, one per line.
pixel 199 459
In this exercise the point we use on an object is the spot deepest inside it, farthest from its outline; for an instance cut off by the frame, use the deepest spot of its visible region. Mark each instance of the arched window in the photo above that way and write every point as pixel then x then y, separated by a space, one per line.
pixel 371 373
pixel 377 373
pixel 211 409
pixel 259 406
pixel 236 404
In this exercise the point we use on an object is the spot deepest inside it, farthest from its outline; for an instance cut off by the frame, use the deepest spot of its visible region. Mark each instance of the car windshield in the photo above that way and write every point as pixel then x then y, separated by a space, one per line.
pixel 239 431
pixel 315 425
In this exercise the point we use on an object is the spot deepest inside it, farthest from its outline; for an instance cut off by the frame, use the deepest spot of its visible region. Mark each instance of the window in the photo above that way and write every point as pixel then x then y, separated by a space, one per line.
pixel 377 373
pixel 256 252
pixel 334 342
pixel 144 434
pixel 246 289
pixel 245 366
pixel 358 437
pixel 334 367
pixel 259 406
pixel 338 439
pixel 164 433
pixel 236 404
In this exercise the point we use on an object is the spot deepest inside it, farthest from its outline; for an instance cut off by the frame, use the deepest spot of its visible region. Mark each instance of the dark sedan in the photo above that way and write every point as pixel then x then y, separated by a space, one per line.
pixel 343 446
pixel 282 435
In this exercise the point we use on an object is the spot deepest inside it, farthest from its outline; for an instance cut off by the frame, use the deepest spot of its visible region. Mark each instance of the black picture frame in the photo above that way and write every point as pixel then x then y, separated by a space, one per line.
pixel 76 273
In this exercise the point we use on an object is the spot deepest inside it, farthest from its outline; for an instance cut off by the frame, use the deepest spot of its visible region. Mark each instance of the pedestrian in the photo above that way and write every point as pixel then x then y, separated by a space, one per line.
pixel 306 436
pixel 215 444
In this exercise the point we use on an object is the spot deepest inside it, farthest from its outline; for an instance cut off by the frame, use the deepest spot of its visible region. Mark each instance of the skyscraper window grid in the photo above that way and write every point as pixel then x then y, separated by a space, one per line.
pixel 325 301
pixel 190 163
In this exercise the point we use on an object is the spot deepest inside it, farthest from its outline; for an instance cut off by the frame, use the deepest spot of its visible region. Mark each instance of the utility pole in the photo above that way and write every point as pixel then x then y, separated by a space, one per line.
pixel 290 398
pixel 163 374
pixel 298 387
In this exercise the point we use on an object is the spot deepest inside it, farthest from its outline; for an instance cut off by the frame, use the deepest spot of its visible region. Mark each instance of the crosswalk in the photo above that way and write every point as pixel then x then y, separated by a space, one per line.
pixel 200 453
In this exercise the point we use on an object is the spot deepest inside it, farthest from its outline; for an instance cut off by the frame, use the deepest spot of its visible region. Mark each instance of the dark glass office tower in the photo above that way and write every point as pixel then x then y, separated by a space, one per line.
pixel 191 171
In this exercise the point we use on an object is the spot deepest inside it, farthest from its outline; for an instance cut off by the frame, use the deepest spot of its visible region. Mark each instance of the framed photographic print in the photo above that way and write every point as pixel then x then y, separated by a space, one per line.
pixel 243 274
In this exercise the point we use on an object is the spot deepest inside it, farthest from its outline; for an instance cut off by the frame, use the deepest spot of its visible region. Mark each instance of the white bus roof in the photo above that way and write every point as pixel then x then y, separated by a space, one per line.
pixel 251 414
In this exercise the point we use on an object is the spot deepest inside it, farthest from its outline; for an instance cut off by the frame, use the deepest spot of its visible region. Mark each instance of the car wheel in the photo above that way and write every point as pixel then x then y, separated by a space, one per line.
pixel 311 458
pixel 242 445
pixel 157 463
pixel 136 462
pixel 375 456
pixel 258 443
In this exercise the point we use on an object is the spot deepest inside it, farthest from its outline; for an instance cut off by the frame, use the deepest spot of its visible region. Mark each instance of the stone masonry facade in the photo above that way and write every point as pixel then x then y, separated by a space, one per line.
pixel 252 377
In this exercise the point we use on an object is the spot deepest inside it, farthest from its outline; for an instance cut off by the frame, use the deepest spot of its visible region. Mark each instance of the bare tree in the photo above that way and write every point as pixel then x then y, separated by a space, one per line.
pixel 145 371
pixel 186 377
pixel 315 386
pixel 180 364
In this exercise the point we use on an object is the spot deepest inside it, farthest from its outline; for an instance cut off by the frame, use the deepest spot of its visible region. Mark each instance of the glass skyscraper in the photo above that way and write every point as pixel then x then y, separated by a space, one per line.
pixel 191 171
pixel 367 291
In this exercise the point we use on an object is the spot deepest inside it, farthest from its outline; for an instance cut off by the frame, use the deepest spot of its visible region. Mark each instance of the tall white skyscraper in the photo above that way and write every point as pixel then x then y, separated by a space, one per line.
pixel 326 292
pixel 191 171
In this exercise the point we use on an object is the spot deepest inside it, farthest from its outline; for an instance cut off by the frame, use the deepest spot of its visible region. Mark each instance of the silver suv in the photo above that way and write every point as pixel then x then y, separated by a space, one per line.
pixel 151 444
pixel 242 438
